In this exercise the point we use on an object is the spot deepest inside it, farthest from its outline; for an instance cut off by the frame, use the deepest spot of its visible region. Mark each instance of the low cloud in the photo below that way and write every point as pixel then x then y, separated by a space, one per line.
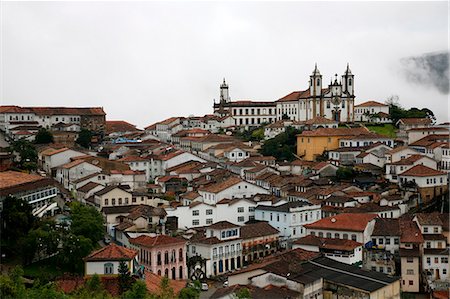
pixel 430 70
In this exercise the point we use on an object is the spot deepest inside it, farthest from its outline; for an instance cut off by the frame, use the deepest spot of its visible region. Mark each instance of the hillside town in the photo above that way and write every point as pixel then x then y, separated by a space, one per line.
pixel 317 194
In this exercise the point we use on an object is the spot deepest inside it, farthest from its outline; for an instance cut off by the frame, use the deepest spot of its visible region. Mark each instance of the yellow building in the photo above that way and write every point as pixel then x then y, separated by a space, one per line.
pixel 311 144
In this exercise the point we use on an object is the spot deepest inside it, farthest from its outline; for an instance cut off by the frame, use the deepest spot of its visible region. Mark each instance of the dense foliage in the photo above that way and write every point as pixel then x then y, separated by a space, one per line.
pixel 345 173
pixel 253 134
pixel 397 112
pixel 26 154
pixel 84 138
pixel 87 222
pixel 43 136
pixel 282 146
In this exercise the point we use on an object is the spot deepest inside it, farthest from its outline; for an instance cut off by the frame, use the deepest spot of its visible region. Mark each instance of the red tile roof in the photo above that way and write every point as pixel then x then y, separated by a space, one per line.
pixel 410 232
pixel 319 120
pixel 14 178
pixel 153 283
pixel 415 121
pixel 296 95
pixel 348 222
pixel 410 160
pixel 119 126
pixel 422 171
pixel 218 187
pixel 159 240
pixel 132 159
pixel 371 104
pixel 54 110
pixel 336 132
pixel 222 225
pixel 112 252
pixel 52 151
pixel 328 243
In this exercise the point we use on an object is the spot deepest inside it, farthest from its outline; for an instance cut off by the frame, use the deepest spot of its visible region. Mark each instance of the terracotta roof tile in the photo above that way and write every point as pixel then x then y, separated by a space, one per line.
pixel 14 178
pixel 159 240
pixel 336 132
pixel 347 222
pixel 112 252
pixel 153 283
pixel 415 121
pixel 218 187
pixel 371 104
pixel 328 243
pixel 257 229
pixel 422 171
pixel 222 225
pixel 119 126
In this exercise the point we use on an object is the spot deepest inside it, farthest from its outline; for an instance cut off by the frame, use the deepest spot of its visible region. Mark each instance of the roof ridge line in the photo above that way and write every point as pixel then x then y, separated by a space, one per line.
pixel 350 273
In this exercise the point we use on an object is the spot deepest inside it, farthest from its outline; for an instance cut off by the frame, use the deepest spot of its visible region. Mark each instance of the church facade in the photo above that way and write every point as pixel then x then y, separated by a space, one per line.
pixel 335 102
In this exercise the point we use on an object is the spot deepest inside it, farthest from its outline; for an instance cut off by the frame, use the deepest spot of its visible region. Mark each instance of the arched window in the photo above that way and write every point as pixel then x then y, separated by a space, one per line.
pixel 173 256
pixel 166 272
pixel 159 261
pixel 166 257
pixel 180 274
pixel 350 82
pixel 320 234
pixel 173 273
pixel 180 254
pixel 353 237
pixel 336 235
pixel 318 81
pixel 109 268
pixel 159 272
pixel 345 236
pixel 328 235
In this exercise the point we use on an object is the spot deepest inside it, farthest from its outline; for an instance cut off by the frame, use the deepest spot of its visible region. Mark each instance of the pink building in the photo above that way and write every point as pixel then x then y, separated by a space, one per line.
pixel 162 255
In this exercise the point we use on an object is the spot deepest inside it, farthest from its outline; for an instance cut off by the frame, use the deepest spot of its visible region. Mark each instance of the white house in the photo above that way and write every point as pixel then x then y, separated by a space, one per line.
pixel 398 153
pixel 344 251
pixel 233 187
pixel 139 164
pixel 220 246
pixel 289 218
pixel 236 211
pixel 372 111
pixel 394 169
pixel 74 170
pixel 106 260
pixel 355 226
pixel 419 133
pixel 51 158
pixel 111 196
pixel 435 252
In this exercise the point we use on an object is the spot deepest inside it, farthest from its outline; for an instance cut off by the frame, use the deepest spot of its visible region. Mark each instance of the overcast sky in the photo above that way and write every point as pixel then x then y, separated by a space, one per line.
pixel 146 61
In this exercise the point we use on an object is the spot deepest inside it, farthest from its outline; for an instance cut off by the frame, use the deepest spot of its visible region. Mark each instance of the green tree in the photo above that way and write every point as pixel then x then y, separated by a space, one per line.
pixel 7 288
pixel 345 173
pixel 27 153
pixel 43 136
pixel 282 146
pixel 12 285
pixel 84 138
pixel 137 291
pixel 42 240
pixel 189 293
pixel 397 112
pixel 75 248
pixel 125 279
pixel 16 221
pixel 243 293
pixel 166 289
pixel 87 222
pixel 47 291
